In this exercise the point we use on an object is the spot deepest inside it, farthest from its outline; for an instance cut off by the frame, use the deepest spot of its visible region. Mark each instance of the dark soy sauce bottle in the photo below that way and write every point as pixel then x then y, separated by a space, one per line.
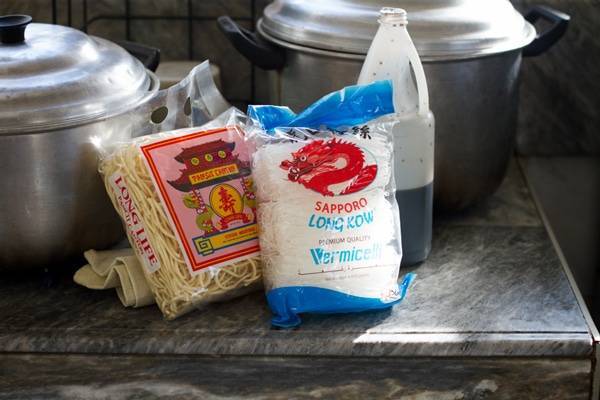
pixel 393 56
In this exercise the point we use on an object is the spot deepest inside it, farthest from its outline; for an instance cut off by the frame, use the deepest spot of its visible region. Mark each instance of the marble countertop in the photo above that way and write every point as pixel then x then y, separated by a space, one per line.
pixel 493 286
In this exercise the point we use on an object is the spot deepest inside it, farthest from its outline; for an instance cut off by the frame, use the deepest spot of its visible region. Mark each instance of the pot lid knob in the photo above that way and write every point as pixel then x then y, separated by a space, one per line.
pixel 12 28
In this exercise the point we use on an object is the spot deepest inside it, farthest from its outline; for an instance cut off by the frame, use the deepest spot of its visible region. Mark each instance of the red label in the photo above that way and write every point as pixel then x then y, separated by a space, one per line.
pixel 134 224
pixel 205 186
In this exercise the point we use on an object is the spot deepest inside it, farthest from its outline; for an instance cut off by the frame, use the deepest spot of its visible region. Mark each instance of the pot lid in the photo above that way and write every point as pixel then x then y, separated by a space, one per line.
pixel 440 29
pixel 52 76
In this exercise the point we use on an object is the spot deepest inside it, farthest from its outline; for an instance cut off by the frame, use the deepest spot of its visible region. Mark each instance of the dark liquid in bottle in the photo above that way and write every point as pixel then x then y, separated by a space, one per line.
pixel 416 207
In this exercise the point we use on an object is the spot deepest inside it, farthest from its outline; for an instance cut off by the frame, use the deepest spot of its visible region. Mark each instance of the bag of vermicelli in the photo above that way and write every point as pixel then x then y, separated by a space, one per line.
pixel 187 201
pixel 329 222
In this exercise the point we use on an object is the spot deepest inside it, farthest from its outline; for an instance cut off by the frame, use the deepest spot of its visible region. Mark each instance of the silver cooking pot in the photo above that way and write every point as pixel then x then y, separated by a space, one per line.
pixel 62 92
pixel 471 50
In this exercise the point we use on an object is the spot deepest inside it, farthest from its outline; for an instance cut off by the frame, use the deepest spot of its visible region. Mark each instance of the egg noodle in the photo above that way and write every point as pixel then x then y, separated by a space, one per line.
pixel 175 289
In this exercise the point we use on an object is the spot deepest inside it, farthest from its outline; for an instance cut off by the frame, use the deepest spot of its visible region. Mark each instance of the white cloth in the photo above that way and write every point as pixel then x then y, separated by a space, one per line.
pixel 118 269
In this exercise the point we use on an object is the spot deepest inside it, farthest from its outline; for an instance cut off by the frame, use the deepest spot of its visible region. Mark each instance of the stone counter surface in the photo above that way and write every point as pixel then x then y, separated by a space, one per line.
pixel 492 314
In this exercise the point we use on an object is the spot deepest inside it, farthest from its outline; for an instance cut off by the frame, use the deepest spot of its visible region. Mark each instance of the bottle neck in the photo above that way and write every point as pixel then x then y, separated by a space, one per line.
pixel 393 55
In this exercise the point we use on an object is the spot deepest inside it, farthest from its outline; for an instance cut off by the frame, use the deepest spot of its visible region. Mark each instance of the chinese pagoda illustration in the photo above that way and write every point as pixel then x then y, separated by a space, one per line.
pixel 207 164
pixel 213 164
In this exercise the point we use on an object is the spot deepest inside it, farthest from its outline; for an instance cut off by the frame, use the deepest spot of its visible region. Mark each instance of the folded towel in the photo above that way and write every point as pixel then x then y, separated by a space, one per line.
pixel 118 269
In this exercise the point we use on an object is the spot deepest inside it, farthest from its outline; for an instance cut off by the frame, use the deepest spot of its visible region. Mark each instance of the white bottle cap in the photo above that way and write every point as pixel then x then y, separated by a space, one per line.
pixel 394 15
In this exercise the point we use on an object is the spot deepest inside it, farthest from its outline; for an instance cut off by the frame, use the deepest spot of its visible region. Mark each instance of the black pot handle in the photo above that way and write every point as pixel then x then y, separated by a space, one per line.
pixel 149 56
pixel 250 45
pixel 546 39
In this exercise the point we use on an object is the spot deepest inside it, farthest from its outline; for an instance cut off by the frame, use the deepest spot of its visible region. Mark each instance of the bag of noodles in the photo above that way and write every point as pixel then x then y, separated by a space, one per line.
pixel 186 199
pixel 330 229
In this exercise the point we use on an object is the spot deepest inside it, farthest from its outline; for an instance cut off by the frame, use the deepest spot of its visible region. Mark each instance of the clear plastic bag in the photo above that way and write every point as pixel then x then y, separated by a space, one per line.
pixel 187 202
pixel 330 229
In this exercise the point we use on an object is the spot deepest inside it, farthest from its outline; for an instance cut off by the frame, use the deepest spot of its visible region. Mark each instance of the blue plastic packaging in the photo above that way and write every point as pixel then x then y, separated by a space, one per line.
pixel 330 264
pixel 351 106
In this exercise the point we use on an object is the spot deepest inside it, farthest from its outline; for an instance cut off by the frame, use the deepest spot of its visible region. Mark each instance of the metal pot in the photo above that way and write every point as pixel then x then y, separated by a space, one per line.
pixel 61 93
pixel 471 50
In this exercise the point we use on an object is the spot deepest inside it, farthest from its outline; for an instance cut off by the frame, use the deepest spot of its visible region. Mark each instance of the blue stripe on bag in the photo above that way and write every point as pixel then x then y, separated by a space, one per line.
pixel 287 302
pixel 351 106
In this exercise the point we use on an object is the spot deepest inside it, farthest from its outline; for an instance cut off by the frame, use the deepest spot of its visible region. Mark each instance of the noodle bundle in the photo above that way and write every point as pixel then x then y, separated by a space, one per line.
pixel 330 230
pixel 175 288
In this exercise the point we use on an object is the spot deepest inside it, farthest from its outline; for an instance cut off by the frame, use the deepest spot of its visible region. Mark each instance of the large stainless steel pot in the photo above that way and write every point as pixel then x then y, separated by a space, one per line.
pixel 471 50
pixel 62 92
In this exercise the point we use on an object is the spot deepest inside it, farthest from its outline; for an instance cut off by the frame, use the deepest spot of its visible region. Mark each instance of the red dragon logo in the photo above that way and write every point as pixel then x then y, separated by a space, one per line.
pixel 321 164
